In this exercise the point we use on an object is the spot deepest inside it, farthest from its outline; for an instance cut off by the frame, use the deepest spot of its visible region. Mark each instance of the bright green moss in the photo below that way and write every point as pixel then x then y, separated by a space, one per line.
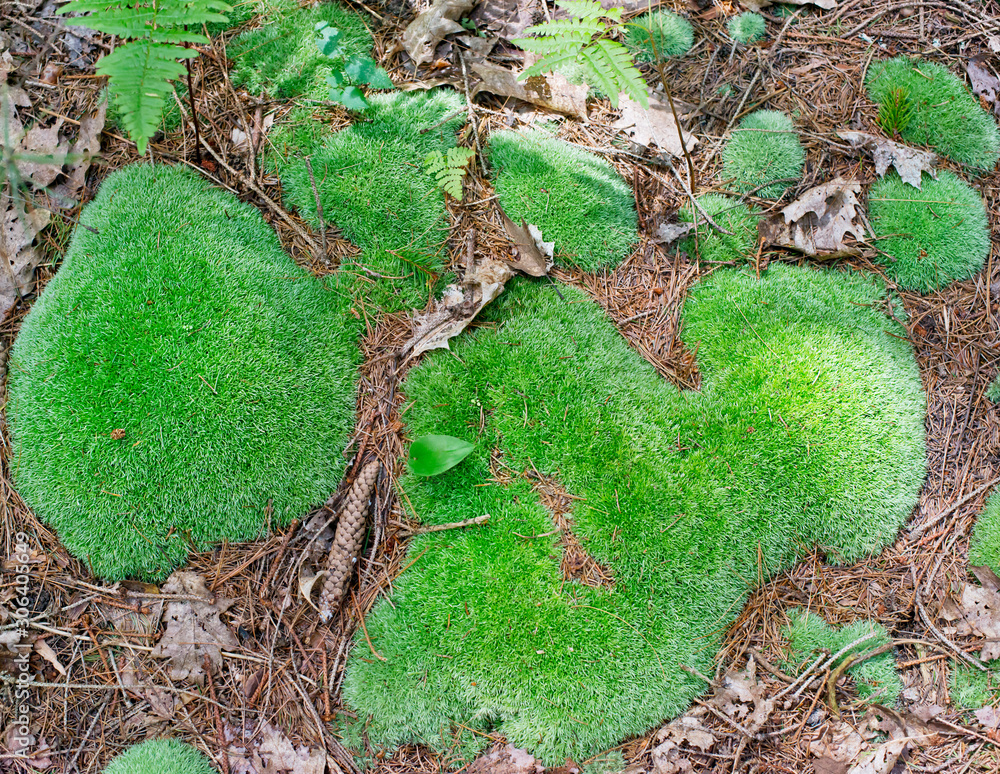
pixel 944 114
pixel 875 678
pixel 808 429
pixel 160 756
pixel 177 317
pixel 281 59
pixel 576 198
pixel 372 184
pixel 747 27
pixel 671 34
pixel 931 236
pixel 710 245
pixel 984 547
pixel 993 391
pixel 764 155
pixel 971 688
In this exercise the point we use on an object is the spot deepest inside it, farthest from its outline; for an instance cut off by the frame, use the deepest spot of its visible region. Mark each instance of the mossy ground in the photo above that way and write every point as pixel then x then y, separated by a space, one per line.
pixel 177 318
pixel 993 391
pixel 372 184
pixel 970 688
pixel 931 236
pixel 713 246
pixel 575 198
pixel 747 27
pixel 876 679
pixel 808 430
pixel 160 756
pixel 763 156
pixel 659 33
pixel 944 114
pixel 984 547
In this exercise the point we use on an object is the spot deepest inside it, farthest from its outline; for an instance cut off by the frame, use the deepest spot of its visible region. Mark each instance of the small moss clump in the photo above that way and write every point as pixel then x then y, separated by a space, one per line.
pixel 712 246
pixel 971 688
pixel 931 236
pixel 372 184
pixel 575 198
pixel 160 756
pixel 282 60
pixel 875 678
pixel 984 547
pixel 662 33
pixel 748 27
pixel 763 155
pixel 942 113
pixel 993 391
pixel 180 381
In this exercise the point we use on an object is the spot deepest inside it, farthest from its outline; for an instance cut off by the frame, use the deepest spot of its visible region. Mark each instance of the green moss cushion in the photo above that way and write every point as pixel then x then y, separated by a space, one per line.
pixel 984 548
pixel 576 198
pixel 808 430
pixel 763 156
pixel 160 756
pixel 931 236
pixel 671 33
pixel 372 184
pixel 747 27
pixel 281 58
pixel 713 246
pixel 177 378
pixel 944 114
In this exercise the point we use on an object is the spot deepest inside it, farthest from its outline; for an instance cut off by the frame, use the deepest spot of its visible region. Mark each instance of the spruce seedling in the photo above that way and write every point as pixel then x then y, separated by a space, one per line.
pixel 141 71
pixel 449 170
pixel 350 72
pixel 895 112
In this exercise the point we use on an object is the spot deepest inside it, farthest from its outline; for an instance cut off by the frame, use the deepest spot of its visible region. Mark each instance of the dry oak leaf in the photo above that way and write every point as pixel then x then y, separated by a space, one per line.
pixel 423 34
pixel 552 90
pixel 194 629
pixel 86 146
pixel 817 222
pixel 667 233
pixel 18 229
pixel 275 754
pixel 506 760
pixel 506 18
pixel 41 154
pixel 985 84
pixel 534 255
pixel 909 162
pixel 976 612
pixel 652 127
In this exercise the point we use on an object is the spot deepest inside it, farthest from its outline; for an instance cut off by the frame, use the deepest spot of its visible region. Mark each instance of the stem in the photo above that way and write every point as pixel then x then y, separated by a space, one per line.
pixel 194 111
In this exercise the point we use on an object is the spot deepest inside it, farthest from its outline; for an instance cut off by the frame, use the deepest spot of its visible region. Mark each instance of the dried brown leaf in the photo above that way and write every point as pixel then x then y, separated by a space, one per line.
pixel 507 760
pixel 652 127
pixel 909 162
pixel 550 91
pixel 758 5
pixel 85 147
pixel 985 84
pixel 423 34
pixel 43 649
pixel 18 229
pixel 194 629
pixel 818 221
pixel 534 257
pixel 41 154
pixel 667 233
pixel 976 612
pixel 988 717
pixel 506 18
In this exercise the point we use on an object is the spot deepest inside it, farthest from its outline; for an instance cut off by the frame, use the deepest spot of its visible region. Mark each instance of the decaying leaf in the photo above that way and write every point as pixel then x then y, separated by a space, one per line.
pixel 985 84
pixel 43 649
pixel 976 612
pixel 759 5
pixel 506 18
pixel 245 143
pixel 552 91
pixel 41 154
pixel 988 717
pixel 271 752
pixel 534 256
pixel 423 34
pixel 652 127
pixel 909 162
pixel 742 698
pixel 507 760
pixel 194 629
pixel 18 229
pixel 85 147
pixel 818 221
pixel 668 233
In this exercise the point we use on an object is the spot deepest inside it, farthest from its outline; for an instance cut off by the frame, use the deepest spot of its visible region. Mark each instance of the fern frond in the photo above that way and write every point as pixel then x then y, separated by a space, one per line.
pixel 546 46
pixel 449 171
pixel 561 27
pixel 589 9
pixel 614 61
pixel 160 20
pixel 552 63
pixel 139 75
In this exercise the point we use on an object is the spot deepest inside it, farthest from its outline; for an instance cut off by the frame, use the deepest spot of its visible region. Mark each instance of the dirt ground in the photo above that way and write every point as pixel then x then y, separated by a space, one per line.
pixel 103 689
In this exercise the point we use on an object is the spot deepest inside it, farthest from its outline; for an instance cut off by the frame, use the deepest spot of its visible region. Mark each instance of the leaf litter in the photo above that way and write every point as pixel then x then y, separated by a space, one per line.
pixel 909 162
pixel 819 222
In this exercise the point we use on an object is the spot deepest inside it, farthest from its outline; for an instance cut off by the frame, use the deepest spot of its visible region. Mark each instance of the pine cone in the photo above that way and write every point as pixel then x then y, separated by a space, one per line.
pixel 347 541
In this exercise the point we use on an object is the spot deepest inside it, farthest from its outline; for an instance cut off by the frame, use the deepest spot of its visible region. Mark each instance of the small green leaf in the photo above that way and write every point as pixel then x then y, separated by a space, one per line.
pixel 328 40
pixel 431 455
pixel 336 80
pixel 354 99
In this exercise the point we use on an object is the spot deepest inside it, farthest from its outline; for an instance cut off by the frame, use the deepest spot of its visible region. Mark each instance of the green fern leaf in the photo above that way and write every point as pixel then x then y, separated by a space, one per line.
pixel 159 20
pixel 449 171
pixel 573 27
pixel 616 61
pixel 589 9
pixel 139 76
pixel 547 46
pixel 551 63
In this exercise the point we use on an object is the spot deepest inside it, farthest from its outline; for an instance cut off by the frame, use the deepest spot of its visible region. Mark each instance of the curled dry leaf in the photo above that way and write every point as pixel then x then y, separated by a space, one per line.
pixel 507 760
pixel 534 256
pixel 194 629
pixel 272 752
pixel 18 229
pixel 818 221
pixel 41 154
pixel 43 649
pixel 909 162
pixel 423 34
pixel 552 91
pixel 985 84
pixel 667 233
pixel 976 612
pixel 653 127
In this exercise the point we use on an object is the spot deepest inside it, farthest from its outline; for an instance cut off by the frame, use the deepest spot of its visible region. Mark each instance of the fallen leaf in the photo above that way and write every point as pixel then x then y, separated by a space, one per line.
pixel 552 91
pixel 534 256
pixel 43 649
pixel 275 754
pixel 306 583
pixel 18 229
pixel 909 162
pixel 758 5
pixel 507 760
pixel 50 75
pixel 841 743
pixel 667 233
pixel 652 127
pixel 818 221
pixel 826 765
pixel 41 153
pixel 985 84
pixel 743 699
pixel 976 612
pixel 506 18
pixel 988 717
pixel 423 34
pixel 85 147
pixel 194 629
pixel 687 730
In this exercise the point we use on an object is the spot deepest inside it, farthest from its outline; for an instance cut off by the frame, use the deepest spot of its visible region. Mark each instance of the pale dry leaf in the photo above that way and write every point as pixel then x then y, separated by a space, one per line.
pixel 842 742
pixel 506 18
pixel 18 229
pixel 985 84
pixel 85 147
pixel 689 730
pixel 552 90
pixel 41 154
pixel 506 760
pixel 275 754
pixel 988 717
pixel 826 765
pixel 194 629
pixel 742 698
pixel 43 649
pixel 307 581
pixel 881 760
pixel 817 223
pixel 909 162
pixel 668 758
pixel 548 248
pixel 667 233
pixel 533 256
pixel 652 127
pixel 423 34
pixel 10 639
pixel 976 612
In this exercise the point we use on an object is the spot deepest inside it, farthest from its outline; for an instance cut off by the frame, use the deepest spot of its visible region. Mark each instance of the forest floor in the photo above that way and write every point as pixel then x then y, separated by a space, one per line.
pixel 104 691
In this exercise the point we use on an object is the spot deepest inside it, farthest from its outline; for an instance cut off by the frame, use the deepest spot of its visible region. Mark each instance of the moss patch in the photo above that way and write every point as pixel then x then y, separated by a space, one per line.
pixel 372 185
pixel 875 678
pixel 944 114
pixel 971 689
pixel 710 245
pixel 984 547
pixel 993 391
pixel 812 436
pixel 281 59
pixel 671 33
pixel 747 27
pixel 763 150
pixel 932 236
pixel 576 198
pixel 176 376
pixel 160 756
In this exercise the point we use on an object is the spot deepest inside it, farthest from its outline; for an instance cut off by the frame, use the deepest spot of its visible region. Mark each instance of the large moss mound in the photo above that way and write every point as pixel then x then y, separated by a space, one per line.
pixel 160 756
pixel 808 430
pixel 984 548
pixel 177 378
